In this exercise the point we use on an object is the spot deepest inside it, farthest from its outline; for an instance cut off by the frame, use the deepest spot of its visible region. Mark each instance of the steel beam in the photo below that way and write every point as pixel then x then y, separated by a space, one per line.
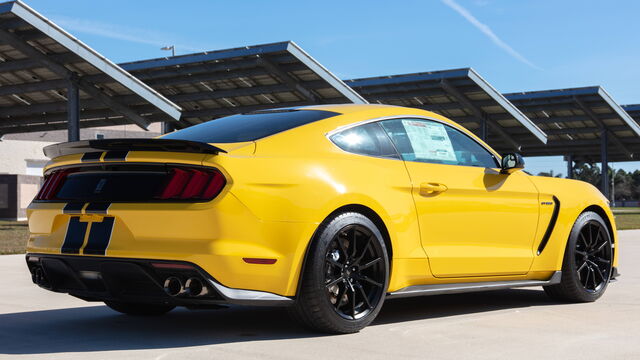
pixel 46 85
pixel 62 126
pixel 28 63
pixel 288 79
pixel 213 113
pixel 65 73
pixel 600 123
pixel 133 100
pixel 478 113
pixel 84 116
pixel 73 111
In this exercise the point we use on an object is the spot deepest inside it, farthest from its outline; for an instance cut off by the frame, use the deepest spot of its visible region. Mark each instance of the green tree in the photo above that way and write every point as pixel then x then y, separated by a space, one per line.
pixel 588 172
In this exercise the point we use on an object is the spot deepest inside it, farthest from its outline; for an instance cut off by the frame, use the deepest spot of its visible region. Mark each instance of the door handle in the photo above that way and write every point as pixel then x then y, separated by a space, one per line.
pixel 432 188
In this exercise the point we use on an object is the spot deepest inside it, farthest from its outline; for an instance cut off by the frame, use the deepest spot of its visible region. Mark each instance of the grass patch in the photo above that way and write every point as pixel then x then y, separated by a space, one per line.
pixel 627 221
pixel 13 237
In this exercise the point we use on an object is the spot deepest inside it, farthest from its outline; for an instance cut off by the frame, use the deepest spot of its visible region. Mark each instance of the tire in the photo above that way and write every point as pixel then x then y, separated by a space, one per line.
pixel 345 277
pixel 587 264
pixel 139 309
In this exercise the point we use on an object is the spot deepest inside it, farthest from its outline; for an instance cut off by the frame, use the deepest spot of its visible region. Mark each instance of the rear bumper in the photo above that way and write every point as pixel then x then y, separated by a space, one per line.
pixel 137 280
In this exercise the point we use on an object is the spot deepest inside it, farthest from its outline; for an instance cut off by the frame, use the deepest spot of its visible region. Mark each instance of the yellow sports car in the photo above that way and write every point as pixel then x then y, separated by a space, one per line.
pixel 328 210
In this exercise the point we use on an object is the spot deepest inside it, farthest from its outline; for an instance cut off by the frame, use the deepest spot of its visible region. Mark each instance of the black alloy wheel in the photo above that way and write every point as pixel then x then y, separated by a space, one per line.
pixel 354 272
pixel 588 260
pixel 345 276
pixel 593 256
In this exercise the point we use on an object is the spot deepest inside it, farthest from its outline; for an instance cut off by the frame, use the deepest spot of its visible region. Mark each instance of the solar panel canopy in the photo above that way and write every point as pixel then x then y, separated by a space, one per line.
pixel 44 72
pixel 633 110
pixel 461 95
pixel 575 121
pixel 209 85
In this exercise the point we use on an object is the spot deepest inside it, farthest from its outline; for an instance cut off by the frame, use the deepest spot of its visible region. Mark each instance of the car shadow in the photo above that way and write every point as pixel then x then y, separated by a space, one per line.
pixel 97 328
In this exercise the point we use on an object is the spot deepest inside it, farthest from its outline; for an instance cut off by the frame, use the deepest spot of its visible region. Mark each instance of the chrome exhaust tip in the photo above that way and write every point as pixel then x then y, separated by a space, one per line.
pixel 38 276
pixel 173 286
pixel 194 287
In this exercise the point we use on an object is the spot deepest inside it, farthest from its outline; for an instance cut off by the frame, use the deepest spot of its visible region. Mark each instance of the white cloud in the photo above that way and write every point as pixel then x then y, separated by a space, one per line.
pixel 120 32
pixel 486 30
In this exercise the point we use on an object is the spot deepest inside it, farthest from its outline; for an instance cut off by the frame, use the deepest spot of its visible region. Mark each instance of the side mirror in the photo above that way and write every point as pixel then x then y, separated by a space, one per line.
pixel 511 163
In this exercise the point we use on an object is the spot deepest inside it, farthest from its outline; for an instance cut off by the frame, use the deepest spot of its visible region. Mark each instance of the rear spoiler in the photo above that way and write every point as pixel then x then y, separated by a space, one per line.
pixel 134 144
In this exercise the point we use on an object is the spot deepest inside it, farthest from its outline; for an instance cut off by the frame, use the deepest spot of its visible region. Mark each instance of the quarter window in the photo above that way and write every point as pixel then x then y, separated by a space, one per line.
pixel 369 139
pixel 433 142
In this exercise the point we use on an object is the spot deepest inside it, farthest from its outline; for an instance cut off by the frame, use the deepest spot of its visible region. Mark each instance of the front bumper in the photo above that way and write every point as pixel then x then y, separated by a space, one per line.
pixel 137 280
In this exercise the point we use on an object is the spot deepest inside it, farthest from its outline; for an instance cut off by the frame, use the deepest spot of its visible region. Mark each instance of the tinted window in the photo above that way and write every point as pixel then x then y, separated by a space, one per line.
pixel 248 127
pixel 368 139
pixel 433 142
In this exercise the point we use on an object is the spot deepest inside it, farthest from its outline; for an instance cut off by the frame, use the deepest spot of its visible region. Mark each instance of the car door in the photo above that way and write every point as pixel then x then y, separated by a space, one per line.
pixel 474 220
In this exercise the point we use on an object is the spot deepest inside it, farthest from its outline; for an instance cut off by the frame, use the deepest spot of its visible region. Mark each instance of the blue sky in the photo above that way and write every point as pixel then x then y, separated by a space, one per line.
pixel 515 45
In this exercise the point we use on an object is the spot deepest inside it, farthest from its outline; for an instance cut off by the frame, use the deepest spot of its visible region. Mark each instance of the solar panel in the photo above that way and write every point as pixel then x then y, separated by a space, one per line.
pixel 41 65
pixel 574 120
pixel 633 111
pixel 461 95
pixel 218 83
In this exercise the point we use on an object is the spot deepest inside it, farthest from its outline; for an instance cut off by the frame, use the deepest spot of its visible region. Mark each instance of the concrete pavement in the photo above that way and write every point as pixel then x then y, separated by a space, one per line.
pixel 512 324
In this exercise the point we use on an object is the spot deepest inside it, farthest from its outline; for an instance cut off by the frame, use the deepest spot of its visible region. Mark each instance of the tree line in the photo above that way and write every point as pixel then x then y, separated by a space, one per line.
pixel 627 184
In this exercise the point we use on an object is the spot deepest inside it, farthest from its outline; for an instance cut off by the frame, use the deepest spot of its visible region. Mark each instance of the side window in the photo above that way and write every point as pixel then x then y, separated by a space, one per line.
pixel 433 142
pixel 368 139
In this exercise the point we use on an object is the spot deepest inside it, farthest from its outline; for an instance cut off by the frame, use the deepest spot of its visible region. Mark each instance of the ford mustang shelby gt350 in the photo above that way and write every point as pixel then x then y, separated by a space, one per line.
pixel 328 209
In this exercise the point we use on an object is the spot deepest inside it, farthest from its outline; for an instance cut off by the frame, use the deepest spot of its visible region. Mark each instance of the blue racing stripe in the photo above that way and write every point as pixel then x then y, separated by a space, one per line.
pixel 99 237
pixel 74 238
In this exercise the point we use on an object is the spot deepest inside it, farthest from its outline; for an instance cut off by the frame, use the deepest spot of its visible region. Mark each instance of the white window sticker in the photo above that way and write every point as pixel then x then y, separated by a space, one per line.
pixel 429 140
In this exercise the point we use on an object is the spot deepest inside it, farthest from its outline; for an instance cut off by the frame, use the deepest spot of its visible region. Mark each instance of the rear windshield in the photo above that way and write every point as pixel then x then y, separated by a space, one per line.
pixel 249 127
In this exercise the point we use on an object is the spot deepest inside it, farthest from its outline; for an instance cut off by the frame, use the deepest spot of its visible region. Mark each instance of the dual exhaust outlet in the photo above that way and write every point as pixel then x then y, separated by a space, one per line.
pixel 193 287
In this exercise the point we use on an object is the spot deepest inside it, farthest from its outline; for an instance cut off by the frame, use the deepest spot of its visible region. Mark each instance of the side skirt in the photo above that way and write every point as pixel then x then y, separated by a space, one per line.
pixel 438 289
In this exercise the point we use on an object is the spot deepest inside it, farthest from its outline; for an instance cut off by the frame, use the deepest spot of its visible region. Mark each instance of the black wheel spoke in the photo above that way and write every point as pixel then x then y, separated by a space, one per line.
pixel 342 248
pixel 353 302
pixel 584 240
pixel 586 279
pixel 370 263
pixel 334 263
pixel 371 281
pixel 364 251
pixel 333 282
pixel 598 249
pixel 581 267
pixel 364 297
pixel 600 273
pixel 341 293
pixel 604 261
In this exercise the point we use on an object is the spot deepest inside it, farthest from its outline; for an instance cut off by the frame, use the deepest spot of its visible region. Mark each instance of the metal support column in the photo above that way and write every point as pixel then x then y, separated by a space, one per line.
pixel 73 111
pixel 167 127
pixel 483 128
pixel 604 172
pixel 569 159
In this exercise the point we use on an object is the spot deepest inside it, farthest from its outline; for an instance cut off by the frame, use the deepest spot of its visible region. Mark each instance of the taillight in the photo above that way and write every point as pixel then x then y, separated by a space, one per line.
pixel 192 184
pixel 52 184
